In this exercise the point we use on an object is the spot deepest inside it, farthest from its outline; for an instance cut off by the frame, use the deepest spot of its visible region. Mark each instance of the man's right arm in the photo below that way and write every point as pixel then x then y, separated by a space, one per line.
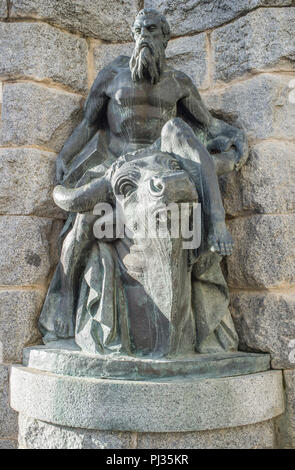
pixel 81 135
pixel 89 125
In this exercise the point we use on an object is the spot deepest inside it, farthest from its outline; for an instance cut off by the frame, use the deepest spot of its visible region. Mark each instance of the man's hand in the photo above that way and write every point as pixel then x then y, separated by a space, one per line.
pixel 225 138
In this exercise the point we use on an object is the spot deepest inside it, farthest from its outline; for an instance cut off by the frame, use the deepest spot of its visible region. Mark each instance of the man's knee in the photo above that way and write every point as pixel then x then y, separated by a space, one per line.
pixel 173 128
pixel 177 130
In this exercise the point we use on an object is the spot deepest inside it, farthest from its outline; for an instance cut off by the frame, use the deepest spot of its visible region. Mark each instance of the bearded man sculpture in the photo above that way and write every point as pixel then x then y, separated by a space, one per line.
pixel 144 124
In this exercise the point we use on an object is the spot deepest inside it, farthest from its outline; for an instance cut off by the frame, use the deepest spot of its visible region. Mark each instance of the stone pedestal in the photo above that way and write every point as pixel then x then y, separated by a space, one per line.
pixel 36 434
pixel 178 411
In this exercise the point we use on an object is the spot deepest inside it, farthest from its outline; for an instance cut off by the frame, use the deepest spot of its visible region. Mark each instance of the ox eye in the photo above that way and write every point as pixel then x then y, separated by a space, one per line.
pixel 126 187
pixel 174 165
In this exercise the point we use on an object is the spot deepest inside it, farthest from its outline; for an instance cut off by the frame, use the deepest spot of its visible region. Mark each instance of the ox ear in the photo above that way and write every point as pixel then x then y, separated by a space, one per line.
pixel 85 197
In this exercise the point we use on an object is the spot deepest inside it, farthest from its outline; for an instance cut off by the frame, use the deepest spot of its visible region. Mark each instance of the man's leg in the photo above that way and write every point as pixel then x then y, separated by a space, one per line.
pixel 177 137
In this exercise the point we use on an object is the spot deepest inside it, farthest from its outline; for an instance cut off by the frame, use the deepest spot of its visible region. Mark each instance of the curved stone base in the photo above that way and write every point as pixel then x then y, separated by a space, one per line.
pixel 160 405
pixel 35 434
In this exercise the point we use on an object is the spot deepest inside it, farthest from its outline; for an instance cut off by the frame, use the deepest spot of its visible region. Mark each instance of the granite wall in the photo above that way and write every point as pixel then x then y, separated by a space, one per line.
pixel 241 55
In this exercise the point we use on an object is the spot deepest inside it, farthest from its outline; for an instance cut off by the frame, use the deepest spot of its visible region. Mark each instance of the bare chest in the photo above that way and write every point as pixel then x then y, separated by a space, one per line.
pixel 125 93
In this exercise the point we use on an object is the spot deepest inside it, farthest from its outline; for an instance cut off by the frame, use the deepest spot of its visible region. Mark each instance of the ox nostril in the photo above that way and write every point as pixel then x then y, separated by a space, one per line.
pixel 157 186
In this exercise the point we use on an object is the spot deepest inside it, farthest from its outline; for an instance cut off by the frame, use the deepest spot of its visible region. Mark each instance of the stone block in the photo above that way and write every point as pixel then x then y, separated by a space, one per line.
pixel 286 423
pixel 189 54
pixel 265 184
pixel 189 16
pixel 8 417
pixel 254 436
pixel 35 434
pixel 19 312
pixel 106 19
pixel 27 177
pixel 106 53
pixel 261 105
pixel 28 250
pixel 8 444
pixel 265 322
pixel 231 192
pixel 259 41
pixel 264 253
pixel 34 114
pixel 3 8
pixel 40 51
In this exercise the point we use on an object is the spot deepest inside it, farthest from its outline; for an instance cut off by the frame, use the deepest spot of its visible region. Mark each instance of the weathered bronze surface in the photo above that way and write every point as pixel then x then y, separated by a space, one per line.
pixel 146 140
pixel 64 357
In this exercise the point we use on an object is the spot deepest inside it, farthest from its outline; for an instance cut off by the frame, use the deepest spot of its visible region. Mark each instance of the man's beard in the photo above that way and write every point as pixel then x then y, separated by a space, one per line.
pixel 147 62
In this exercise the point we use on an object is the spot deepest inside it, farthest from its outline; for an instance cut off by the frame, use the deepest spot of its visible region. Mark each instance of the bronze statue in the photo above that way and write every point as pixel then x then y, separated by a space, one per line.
pixel 142 115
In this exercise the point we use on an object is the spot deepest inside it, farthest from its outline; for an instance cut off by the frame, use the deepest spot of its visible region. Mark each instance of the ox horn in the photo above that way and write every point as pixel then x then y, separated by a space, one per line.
pixel 84 198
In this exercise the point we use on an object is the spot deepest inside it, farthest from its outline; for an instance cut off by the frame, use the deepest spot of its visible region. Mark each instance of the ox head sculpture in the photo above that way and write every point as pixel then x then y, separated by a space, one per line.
pixel 137 180
pixel 156 268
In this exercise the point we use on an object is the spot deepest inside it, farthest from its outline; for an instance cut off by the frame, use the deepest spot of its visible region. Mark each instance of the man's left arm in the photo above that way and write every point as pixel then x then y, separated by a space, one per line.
pixel 227 144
